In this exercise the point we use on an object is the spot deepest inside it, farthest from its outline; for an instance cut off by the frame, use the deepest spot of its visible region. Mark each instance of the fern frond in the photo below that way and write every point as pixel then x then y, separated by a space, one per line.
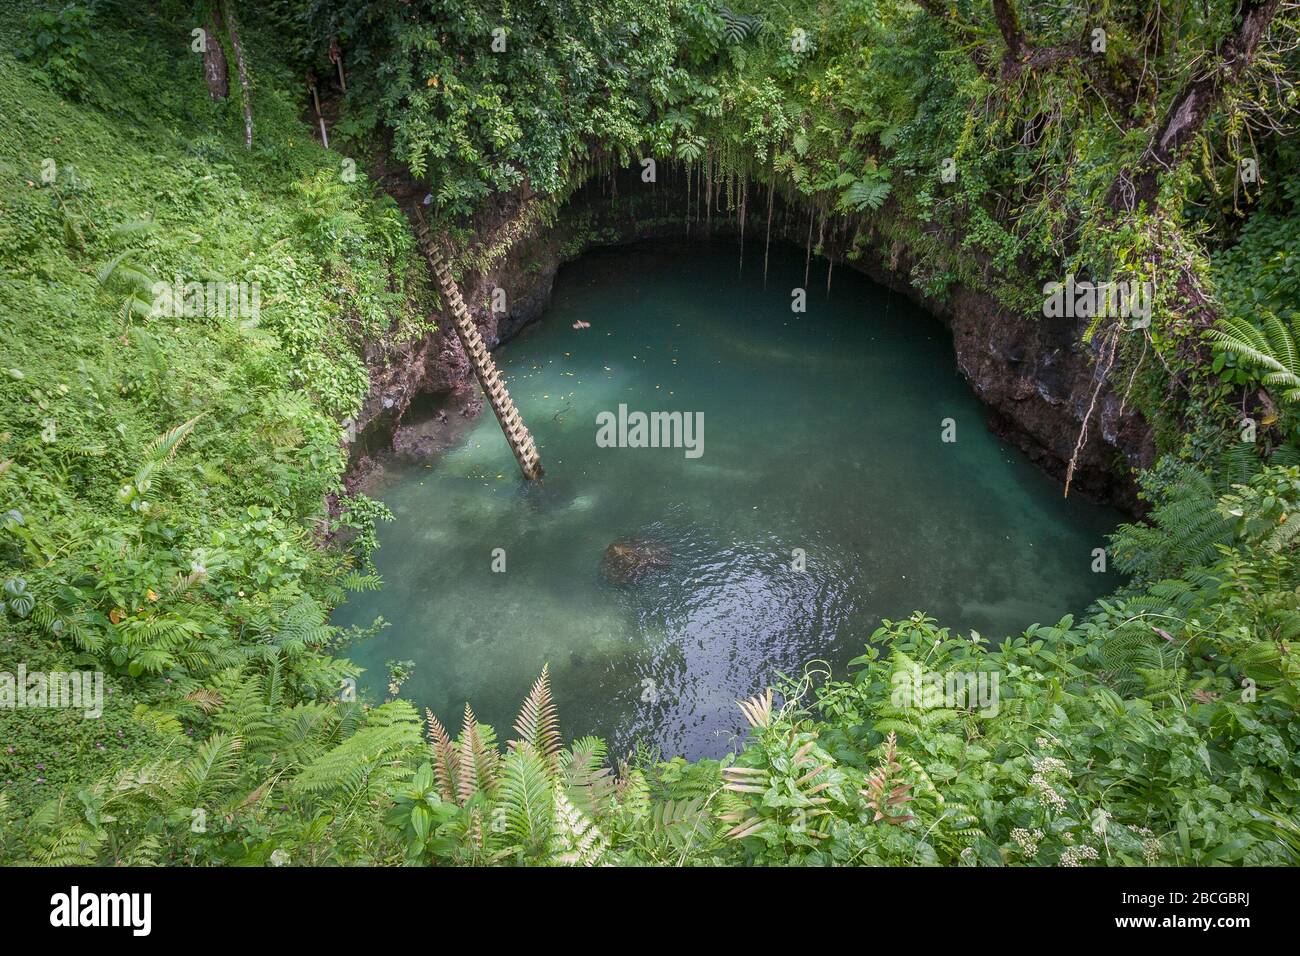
pixel 479 760
pixel 444 758
pixel 348 766
pixel 538 723
pixel 587 781
pixel 579 841
pixel 164 446
pixel 212 770
pixel 527 797
pixel 685 823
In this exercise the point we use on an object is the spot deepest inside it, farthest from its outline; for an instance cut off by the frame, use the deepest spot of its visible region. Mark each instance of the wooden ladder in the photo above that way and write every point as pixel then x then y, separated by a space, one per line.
pixel 485 370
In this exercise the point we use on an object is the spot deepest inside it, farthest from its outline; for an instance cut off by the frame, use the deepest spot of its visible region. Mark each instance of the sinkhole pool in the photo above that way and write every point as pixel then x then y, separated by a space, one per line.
pixel 822 432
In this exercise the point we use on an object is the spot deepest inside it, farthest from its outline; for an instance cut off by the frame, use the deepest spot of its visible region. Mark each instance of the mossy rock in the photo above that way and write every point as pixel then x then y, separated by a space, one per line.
pixel 629 559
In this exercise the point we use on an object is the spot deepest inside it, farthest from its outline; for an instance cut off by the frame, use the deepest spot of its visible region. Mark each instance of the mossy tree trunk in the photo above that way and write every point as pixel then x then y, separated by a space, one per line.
pixel 215 70
pixel 242 64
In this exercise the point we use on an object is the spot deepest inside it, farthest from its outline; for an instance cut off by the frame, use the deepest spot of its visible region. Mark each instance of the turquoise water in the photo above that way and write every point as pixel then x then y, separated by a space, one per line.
pixel 821 431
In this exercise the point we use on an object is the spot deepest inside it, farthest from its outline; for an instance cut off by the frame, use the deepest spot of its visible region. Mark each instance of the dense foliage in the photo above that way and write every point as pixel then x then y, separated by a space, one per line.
pixel 166 487
pixel 164 479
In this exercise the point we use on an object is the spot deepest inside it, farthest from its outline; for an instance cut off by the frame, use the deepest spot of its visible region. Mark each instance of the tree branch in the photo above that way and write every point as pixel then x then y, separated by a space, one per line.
pixel 1190 109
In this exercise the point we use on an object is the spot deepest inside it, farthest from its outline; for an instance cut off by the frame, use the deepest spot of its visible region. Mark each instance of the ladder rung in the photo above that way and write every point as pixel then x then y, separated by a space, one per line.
pixel 489 376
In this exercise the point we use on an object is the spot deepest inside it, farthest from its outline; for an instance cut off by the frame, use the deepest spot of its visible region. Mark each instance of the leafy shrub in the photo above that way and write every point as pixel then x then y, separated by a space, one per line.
pixel 56 45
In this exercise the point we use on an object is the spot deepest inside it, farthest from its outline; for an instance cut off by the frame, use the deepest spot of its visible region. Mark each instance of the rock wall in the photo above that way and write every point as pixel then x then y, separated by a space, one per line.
pixel 1034 375
pixel 1037 381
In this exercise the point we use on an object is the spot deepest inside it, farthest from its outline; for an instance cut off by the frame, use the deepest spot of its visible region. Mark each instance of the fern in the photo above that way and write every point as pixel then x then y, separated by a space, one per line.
pixel 1184 530
pixel 393 732
pixel 213 770
pixel 586 779
pixel 865 194
pixel 527 798
pixel 738 27
pixel 886 791
pixel 445 759
pixel 1271 349
pixel 538 724
pixel 684 823
pixel 757 710
pixel 164 446
pixel 579 842
pixel 135 284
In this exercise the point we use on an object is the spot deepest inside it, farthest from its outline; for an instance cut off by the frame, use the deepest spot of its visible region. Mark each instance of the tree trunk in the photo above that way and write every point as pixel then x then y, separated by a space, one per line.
pixel 1008 20
pixel 214 59
pixel 243 73
pixel 336 57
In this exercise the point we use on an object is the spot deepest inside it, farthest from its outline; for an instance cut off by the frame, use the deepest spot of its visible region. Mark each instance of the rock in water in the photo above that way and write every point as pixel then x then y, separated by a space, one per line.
pixel 629 559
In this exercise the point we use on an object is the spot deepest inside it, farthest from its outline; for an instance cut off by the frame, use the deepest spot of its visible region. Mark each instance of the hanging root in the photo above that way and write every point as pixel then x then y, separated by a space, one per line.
pixel 807 259
pixel 767 243
pixel 744 201
pixel 1128 390
pixel 1102 375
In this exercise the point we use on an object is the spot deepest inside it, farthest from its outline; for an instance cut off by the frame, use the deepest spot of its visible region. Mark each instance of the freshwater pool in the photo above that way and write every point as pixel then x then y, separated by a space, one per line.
pixel 822 431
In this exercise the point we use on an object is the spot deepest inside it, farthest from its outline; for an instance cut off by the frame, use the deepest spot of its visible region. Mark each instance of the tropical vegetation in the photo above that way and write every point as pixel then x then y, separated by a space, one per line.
pixel 172 509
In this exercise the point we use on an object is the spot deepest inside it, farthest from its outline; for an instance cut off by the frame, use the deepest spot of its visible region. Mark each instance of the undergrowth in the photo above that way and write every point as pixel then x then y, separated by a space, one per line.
pixel 166 482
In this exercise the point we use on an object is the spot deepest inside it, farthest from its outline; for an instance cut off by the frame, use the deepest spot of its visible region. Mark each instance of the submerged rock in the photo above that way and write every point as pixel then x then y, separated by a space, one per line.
pixel 629 559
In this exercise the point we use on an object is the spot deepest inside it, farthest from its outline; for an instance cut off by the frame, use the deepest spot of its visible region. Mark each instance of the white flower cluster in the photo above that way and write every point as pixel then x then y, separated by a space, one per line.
pixel 1075 855
pixel 1051 765
pixel 1045 769
pixel 1047 794
pixel 1151 848
pixel 1027 840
